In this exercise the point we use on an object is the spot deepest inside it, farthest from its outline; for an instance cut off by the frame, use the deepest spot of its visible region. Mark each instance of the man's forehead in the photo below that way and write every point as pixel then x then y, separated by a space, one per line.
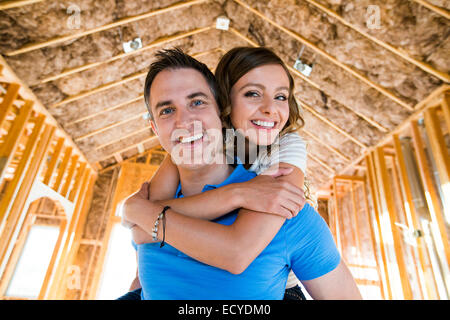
pixel 177 83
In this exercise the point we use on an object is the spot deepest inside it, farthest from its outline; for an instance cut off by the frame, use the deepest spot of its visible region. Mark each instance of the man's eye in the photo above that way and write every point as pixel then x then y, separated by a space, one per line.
pixel 166 111
pixel 197 103
pixel 251 94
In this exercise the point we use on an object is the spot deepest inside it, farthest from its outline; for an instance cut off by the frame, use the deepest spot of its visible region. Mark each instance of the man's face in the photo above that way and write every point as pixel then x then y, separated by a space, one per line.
pixel 186 116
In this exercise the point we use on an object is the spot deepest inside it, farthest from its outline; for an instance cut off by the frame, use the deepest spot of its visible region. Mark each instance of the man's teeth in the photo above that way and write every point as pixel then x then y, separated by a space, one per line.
pixel 192 138
pixel 263 123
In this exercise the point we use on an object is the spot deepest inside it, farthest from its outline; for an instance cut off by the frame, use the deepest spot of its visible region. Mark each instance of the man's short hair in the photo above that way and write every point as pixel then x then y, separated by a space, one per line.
pixel 176 59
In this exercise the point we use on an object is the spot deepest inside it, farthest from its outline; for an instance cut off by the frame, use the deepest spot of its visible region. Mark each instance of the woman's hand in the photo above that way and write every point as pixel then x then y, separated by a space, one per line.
pixel 138 204
pixel 267 193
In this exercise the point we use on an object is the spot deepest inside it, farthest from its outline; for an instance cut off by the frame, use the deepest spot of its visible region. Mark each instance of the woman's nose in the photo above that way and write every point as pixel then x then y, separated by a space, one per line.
pixel 267 106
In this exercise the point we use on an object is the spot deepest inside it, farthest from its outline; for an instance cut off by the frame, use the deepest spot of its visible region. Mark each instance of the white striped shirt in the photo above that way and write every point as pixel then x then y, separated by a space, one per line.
pixel 291 149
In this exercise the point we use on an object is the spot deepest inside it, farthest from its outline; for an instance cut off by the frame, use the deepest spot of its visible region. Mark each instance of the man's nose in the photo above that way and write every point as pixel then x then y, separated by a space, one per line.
pixel 184 118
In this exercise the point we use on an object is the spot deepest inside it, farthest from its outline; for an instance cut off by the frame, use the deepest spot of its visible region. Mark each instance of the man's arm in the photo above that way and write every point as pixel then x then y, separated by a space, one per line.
pixel 231 247
pixel 337 284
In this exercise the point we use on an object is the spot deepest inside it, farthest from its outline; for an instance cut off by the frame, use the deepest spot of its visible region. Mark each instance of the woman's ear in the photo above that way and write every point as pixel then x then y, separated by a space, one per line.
pixel 153 125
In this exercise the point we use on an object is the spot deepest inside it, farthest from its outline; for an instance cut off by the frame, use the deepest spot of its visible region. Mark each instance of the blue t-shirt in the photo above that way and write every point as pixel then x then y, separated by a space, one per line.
pixel 304 243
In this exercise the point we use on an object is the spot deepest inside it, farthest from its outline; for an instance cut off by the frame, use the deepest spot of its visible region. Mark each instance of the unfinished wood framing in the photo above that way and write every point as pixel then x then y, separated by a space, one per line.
pixel 436 9
pixel 16 4
pixel 118 23
pixel 154 44
pixel 323 53
pixel 9 146
pixel 434 207
pixel 400 53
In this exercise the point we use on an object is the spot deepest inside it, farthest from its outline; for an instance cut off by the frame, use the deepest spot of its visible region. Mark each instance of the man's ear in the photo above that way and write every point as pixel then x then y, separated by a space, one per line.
pixel 153 125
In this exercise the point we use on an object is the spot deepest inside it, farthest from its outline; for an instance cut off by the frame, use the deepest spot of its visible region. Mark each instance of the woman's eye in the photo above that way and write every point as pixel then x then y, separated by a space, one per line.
pixel 166 111
pixel 251 94
pixel 281 97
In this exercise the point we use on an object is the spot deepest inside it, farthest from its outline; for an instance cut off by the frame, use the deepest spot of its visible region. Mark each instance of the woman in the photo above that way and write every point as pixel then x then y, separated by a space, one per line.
pixel 256 92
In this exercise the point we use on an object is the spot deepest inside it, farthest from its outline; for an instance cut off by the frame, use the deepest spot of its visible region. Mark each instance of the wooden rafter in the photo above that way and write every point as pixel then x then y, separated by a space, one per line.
pixel 122 138
pixel 331 124
pixel 110 126
pixel 116 83
pixel 154 44
pixel 434 98
pixel 117 106
pixel 16 4
pixel 326 145
pixel 153 139
pixel 323 53
pixel 441 11
pixel 322 163
pixel 115 24
pixel 401 53
pixel 26 94
pixel 313 84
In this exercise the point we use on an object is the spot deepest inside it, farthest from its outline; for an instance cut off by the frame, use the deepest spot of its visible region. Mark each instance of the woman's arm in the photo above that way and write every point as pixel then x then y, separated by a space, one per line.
pixel 231 247
pixel 215 203
pixel 164 182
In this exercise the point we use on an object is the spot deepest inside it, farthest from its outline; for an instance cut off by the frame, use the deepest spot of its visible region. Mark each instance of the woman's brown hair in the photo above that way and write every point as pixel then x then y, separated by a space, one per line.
pixel 235 64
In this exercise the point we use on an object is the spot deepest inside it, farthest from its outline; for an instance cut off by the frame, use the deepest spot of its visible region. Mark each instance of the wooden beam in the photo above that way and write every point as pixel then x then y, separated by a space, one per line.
pixel 372 238
pixel 98 89
pixel 51 266
pixel 7 102
pixel 440 154
pixel 349 179
pixel 75 229
pixel 25 93
pixel 62 169
pixel 313 84
pixel 9 146
pixel 77 184
pixel 153 139
pixel 337 218
pixel 115 24
pixel 122 137
pixel 445 104
pixel 410 207
pixel 373 184
pixel 331 124
pixel 156 43
pixel 110 126
pixel 432 197
pixel 323 53
pixel 326 145
pixel 440 11
pixel 398 52
pixel 116 83
pixel 17 208
pixel 390 209
pixel 73 164
pixel 435 96
pixel 117 106
pixel 4 5
pixel 53 161
pixel 14 185
pixel 322 163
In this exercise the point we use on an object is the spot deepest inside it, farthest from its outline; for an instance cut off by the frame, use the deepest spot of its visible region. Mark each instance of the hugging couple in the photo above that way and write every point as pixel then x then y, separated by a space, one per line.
pixel 219 220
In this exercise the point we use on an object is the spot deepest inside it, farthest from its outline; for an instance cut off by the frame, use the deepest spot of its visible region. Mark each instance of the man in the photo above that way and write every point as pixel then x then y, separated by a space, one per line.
pixel 180 94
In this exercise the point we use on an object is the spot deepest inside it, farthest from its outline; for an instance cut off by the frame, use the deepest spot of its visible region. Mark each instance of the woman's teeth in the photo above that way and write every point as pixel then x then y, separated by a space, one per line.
pixel 191 139
pixel 263 123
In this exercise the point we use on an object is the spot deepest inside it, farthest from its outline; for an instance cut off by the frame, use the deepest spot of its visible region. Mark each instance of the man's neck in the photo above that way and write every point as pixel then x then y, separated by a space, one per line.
pixel 193 180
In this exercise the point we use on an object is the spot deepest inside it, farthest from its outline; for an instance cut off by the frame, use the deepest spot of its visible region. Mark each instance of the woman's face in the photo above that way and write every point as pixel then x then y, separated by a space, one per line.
pixel 259 103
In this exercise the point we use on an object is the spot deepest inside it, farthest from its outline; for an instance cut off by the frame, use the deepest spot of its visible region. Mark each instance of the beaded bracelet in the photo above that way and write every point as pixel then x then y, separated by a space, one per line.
pixel 161 216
